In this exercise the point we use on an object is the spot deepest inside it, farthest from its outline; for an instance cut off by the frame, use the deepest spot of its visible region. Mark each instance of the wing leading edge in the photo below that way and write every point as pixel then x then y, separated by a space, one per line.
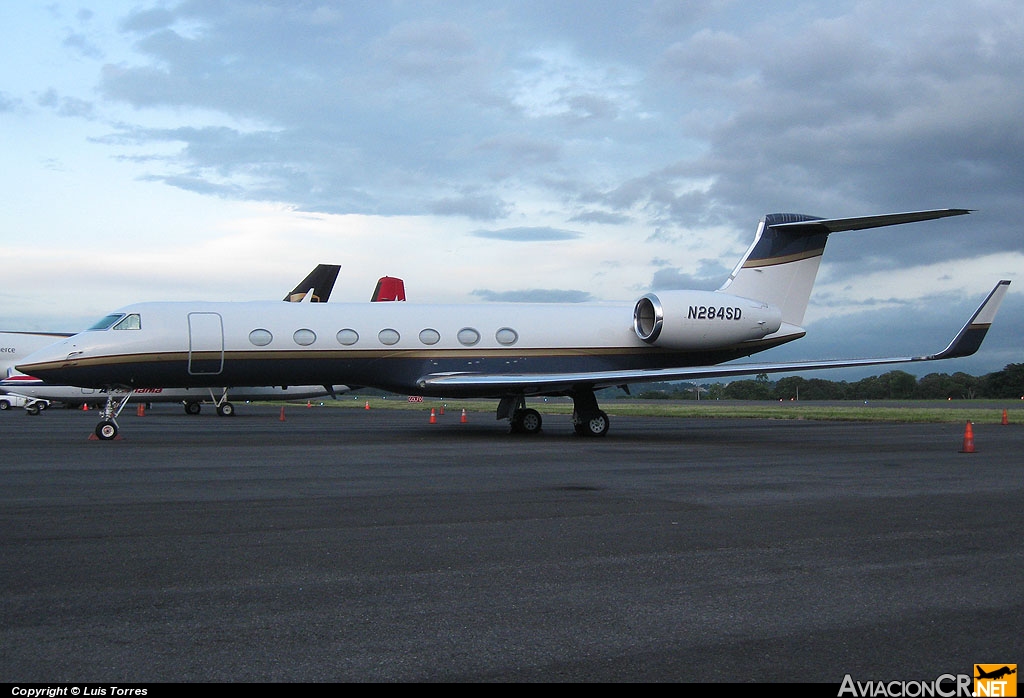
pixel 965 343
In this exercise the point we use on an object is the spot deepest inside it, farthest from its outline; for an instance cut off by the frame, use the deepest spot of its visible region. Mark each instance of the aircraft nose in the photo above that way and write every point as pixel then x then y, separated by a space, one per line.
pixel 46 360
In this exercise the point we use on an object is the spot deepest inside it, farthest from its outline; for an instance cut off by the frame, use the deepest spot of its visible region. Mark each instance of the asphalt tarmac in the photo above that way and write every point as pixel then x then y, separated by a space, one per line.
pixel 371 545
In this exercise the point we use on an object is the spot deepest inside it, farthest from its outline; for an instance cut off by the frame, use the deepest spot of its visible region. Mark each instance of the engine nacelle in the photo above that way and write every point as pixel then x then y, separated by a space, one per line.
pixel 702 319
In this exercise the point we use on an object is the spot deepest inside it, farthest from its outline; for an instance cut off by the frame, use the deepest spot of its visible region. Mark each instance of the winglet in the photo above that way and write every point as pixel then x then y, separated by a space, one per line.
pixel 969 338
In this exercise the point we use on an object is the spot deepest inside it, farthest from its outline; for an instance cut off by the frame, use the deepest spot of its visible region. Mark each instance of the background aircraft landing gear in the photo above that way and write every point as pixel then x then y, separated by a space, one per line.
pixel 226 409
pixel 193 408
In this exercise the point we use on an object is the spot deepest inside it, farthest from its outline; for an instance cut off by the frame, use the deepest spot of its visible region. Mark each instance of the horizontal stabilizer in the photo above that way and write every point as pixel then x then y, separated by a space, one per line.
pixel 838 225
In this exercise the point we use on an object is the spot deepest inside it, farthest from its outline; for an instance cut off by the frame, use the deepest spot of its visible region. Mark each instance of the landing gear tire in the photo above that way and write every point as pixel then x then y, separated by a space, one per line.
pixel 106 430
pixel 32 409
pixel 226 409
pixel 526 421
pixel 193 408
pixel 595 424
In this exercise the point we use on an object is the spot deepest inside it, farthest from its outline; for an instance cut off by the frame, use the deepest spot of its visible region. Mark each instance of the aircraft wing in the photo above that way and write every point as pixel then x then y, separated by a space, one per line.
pixel 966 342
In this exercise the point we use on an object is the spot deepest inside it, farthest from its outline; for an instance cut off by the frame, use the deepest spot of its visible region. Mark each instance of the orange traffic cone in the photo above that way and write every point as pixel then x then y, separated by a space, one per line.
pixel 1005 418
pixel 141 411
pixel 281 418
pixel 442 410
pixel 367 405
pixel 85 407
pixel 968 439
pixel 433 416
pixel 463 420
pixel 308 403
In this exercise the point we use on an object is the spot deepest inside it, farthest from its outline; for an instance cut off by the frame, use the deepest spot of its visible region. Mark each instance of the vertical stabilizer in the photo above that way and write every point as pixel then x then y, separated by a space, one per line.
pixel 317 286
pixel 781 264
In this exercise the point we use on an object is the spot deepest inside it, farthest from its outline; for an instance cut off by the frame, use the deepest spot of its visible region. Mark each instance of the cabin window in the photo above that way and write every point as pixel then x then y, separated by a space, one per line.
pixel 304 337
pixel 261 338
pixel 429 336
pixel 129 322
pixel 468 336
pixel 347 337
pixel 506 336
pixel 388 336
pixel 107 322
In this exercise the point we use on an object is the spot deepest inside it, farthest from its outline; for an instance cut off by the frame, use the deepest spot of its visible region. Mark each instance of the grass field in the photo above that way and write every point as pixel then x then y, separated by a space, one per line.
pixel 978 411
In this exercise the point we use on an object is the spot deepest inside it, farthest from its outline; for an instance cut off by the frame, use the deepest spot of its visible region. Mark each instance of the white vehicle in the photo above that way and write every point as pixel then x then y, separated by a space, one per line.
pixel 7 401
pixel 31 404
pixel 506 351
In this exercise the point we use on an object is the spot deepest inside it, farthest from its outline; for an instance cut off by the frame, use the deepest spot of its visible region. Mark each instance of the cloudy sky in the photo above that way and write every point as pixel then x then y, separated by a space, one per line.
pixel 548 150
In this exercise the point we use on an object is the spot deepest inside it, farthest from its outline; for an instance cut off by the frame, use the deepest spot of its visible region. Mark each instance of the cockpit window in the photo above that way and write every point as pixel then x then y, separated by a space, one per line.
pixel 107 322
pixel 130 322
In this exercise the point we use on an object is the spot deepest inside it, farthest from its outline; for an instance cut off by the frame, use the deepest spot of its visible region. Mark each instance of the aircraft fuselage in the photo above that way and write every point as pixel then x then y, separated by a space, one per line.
pixel 390 346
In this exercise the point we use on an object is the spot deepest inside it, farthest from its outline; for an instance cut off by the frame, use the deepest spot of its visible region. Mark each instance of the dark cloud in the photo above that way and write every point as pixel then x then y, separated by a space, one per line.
pixel 8 103
pixel 535 295
pixel 535 234
pixel 600 217
pixel 477 207
pixel 65 106
pixel 671 278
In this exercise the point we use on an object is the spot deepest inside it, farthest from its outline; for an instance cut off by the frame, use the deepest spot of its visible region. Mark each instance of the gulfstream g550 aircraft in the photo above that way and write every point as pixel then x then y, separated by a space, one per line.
pixel 506 351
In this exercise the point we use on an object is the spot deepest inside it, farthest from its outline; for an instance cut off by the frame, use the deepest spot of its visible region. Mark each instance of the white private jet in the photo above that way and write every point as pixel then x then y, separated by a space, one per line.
pixel 506 351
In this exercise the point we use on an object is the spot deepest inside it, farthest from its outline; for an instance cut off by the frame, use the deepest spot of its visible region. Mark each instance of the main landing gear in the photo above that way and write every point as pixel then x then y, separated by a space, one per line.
pixel 587 417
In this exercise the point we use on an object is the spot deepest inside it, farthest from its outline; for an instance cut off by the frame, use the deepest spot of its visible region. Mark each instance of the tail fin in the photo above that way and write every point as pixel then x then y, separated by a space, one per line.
pixel 318 284
pixel 782 263
pixel 389 288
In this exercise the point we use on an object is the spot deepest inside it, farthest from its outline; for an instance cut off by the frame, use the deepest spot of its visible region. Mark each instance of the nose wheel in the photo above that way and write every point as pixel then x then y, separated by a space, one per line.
pixel 106 430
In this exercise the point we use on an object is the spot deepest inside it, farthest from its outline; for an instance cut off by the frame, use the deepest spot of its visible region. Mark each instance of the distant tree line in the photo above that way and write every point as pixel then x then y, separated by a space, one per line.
pixel 894 385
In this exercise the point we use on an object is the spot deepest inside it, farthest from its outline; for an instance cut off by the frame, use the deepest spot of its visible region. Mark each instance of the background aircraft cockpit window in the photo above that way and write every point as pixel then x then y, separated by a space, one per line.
pixel 130 322
pixel 107 322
